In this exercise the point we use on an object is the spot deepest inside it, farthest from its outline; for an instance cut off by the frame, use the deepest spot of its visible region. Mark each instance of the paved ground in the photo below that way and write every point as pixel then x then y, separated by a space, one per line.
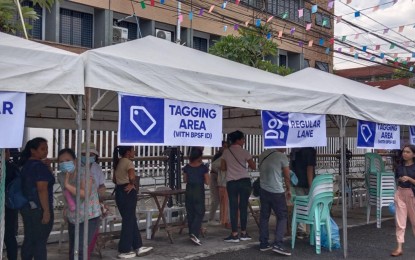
pixel 365 242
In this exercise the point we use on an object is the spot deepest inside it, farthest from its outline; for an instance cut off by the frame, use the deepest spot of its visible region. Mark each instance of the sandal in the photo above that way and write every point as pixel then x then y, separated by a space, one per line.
pixel 396 253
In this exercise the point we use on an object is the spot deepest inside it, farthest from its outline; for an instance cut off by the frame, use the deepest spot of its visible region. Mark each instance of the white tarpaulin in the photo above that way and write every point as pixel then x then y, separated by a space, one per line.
pixel 157 121
pixel 359 100
pixel 12 115
pixel 31 67
pixel 154 67
pixel 377 136
pixel 282 129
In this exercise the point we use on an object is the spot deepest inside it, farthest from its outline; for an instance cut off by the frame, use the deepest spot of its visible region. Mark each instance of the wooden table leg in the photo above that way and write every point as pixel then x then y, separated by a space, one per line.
pixel 253 213
pixel 161 215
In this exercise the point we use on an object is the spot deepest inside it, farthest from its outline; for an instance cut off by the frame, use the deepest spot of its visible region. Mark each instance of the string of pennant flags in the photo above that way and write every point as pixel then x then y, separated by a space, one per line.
pixel 308 26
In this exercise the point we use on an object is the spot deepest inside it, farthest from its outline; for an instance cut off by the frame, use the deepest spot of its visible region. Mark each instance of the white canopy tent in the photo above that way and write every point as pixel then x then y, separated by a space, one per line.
pixel 157 68
pixel 31 67
pixel 402 91
pixel 360 101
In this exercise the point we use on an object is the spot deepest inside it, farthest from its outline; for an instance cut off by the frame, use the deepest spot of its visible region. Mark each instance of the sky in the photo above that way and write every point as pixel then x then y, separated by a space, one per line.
pixel 387 16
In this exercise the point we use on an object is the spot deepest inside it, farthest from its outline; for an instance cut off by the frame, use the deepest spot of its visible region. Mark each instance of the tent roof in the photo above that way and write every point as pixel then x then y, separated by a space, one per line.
pixel 28 66
pixel 154 67
pixel 402 90
pixel 358 100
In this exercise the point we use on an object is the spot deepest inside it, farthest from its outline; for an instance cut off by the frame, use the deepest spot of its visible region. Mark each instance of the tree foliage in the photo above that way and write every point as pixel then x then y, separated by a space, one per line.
pixel 402 74
pixel 9 17
pixel 250 47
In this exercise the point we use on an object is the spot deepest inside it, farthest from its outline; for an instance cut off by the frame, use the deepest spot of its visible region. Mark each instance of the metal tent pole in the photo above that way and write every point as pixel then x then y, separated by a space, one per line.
pixel 87 168
pixel 78 179
pixel 342 122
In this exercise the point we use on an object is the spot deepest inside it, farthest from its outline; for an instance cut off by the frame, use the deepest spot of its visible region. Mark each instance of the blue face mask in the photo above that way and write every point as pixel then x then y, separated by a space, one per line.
pixel 68 166
pixel 91 159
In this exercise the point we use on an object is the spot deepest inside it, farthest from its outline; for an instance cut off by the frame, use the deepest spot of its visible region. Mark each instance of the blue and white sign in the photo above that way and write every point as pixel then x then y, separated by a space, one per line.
pixel 156 121
pixel 12 116
pixel 412 135
pixel 377 136
pixel 283 129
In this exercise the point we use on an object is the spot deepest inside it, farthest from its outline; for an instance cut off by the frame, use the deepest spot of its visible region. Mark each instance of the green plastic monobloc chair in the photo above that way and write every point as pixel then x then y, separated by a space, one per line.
pixel 314 209
pixel 380 186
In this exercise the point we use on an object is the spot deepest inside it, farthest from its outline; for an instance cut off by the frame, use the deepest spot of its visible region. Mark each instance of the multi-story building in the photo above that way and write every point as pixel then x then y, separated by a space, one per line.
pixel 377 76
pixel 97 23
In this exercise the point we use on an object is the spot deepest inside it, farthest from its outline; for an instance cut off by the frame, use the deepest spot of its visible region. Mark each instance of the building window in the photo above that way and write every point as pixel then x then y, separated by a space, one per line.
pixel 36 31
pixel 200 44
pixel 283 60
pixel 76 28
pixel 307 15
pixel 322 66
pixel 320 18
pixel 306 64
pixel 278 7
pixel 132 28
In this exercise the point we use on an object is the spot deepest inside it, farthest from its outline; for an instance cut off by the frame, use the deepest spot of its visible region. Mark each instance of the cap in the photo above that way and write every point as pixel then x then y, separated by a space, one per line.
pixel 92 148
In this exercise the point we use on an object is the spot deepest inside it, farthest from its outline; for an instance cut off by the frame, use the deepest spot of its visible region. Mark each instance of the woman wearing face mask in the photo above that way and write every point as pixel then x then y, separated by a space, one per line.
pixel 95 168
pixel 37 184
pixel 67 179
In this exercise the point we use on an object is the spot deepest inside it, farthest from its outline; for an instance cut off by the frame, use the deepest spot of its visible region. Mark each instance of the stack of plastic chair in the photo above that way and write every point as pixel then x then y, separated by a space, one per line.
pixel 380 186
pixel 147 207
pixel 314 210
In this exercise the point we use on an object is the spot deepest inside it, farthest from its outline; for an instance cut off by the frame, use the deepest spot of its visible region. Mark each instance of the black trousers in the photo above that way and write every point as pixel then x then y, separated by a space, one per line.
pixel 238 194
pixel 93 225
pixel 10 230
pixel 130 238
pixel 36 234
pixel 195 207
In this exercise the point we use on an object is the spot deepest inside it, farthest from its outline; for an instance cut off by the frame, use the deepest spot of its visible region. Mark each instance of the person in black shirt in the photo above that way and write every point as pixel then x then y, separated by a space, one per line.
pixel 404 196
pixel 303 164
pixel 196 175
pixel 10 215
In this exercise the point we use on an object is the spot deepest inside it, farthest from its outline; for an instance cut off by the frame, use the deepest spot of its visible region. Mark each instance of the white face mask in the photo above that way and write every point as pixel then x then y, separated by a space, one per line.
pixel 68 166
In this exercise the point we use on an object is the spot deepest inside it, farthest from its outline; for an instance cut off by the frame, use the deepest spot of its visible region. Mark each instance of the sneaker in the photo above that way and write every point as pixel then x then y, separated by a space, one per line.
pixel 280 250
pixel 264 248
pixel 195 240
pixel 142 251
pixel 131 254
pixel 245 237
pixel 302 235
pixel 232 239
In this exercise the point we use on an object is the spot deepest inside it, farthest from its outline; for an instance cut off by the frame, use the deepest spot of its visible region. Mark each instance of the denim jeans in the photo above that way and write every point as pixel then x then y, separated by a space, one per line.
pixel 130 238
pixel 10 230
pixel 277 203
pixel 93 225
pixel 36 234
pixel 238 193
pixel 195 207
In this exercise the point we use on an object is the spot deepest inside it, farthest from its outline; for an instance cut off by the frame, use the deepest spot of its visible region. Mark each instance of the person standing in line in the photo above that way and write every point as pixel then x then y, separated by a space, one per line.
pixel 303 163
pixel 234 161
pixel 404 196
pixel 130 244
pixel 99 180
pixel 10 215
pixel 67 180
pixel 214 187
pixel 37 182
pixel 223 194
pixel 195 175
pixel 274 169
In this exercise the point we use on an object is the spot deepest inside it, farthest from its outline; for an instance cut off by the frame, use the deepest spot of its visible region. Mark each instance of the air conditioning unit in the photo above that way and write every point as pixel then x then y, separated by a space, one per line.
pixel 162 34
pixel 119 34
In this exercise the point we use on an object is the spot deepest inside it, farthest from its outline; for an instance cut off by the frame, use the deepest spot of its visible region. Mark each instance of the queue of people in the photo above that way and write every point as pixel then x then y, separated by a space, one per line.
pixel 229 183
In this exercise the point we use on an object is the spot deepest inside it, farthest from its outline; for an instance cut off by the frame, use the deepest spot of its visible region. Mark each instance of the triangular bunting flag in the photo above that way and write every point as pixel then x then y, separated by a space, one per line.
pixel 401 28
pixel 300 13
pixel 314 9
pixel 310 43
pixel 211 8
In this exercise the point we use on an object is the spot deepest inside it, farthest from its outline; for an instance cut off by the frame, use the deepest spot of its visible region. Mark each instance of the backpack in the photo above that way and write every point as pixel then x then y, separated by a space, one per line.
pixel 14 197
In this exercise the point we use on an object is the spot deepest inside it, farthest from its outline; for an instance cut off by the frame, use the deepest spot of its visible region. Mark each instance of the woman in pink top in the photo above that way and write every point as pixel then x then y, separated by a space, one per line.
pixel 235 160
